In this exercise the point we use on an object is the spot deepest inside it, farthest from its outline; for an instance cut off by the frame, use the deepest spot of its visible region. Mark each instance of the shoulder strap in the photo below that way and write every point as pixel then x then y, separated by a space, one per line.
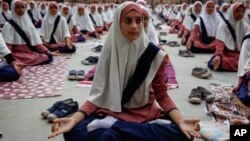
pixel 92 19
pixel 245 37
pixel 31 15
pixel 69 19
pixel 140 74
pixel 231 31
pixel 193 17
pixel 22 34
pixel 204 30
pixel 6 19
pixel 54 28
pixel 42 14
pixel 222 16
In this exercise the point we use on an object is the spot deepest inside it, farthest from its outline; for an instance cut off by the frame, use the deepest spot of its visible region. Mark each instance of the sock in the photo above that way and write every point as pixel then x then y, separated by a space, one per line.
pixel 161 121
pixel 106 123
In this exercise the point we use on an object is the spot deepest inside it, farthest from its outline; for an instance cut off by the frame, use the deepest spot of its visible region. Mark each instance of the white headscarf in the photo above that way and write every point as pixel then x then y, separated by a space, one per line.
pixel 109 15
pixel 225 14
pixel 43 11
pixel 117 64
pixel 240 28
pixel 211 21
pixel 6 13
pixel 35 12
pixel 244 59
pixel 150 30
pixel 188 21
pixel 12 37
pixel 83 21
pixel 97 17
pixel 102 15
pixel 62 30
pixel 72 22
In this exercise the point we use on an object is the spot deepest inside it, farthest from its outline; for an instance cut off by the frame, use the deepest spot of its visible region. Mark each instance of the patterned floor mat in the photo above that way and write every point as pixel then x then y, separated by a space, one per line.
pixel 37 81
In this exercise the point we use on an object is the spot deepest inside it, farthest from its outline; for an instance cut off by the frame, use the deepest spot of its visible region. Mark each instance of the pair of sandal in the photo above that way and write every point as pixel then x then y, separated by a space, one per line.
pixel 76 75
pixel 173 44
pixel 163 33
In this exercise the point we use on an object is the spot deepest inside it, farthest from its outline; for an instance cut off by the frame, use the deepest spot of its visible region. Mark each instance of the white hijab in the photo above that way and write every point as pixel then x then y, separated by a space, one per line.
pixel 83 21
pixel 109 15
pixel 6 13
pixel 244 59
pixel 211 21
pixel 117 64
pixel 150 30
pixel 72 22
pixel 240 28
pixel 43 11
pixel 62 30
pixel 12 37
pixel 188 21
pixel 36 14
pixel 225 14
pixel 97 17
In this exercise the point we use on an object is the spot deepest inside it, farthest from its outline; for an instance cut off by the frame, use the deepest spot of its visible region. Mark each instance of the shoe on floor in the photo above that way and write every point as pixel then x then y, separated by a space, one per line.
pixel 97 48
pixel 201 73
pixel 72 75
pixel 185 53
pixel 92 60
pixel 55 106
pixel 195 97
pixel 206 95
pixel 80 75
pixel 63 110
pixel 1 134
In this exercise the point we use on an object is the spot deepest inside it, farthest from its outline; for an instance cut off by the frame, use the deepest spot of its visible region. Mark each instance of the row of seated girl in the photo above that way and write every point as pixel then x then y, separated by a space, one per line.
pixel 224 33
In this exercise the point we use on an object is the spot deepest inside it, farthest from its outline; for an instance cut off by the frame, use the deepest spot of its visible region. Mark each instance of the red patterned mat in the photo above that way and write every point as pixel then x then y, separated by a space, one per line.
pixel 37 81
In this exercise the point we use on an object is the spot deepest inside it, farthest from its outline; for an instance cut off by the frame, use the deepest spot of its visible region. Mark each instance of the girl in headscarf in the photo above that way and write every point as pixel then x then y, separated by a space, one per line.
pixel 84 24
pixel 5 14
pixel 174 19
pixel 202 38
pixel 120 108
pixel 190 20
pixel 247 14
pixel 55 31
pixel 148 27
pixel 96 19
pixel 229 40
pixel 43 9
pixel 29 51
pixel 35 15
pixel 108 14
pixel 223 13
pixel 75 36
pixel 103 17
pixel 243 88
pixel 180 17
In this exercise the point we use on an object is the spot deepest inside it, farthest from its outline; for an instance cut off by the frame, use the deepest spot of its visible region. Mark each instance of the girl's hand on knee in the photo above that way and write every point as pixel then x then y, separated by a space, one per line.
pixel 216 62
pixel 190 127
pixel 61 126
pixel 189 44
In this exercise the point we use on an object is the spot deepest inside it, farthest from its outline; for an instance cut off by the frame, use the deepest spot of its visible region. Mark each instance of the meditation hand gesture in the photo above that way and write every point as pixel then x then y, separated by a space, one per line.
pixel 190 127
pixel 183 39
pixel 216 62
pixel 61 126
pixel 18 67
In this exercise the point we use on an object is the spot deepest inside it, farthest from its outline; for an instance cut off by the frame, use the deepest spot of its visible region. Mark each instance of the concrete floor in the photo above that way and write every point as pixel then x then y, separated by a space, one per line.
pixel 20 120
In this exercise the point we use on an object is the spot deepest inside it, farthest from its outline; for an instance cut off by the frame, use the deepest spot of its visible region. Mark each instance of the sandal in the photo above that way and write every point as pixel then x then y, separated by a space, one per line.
pixel 97 48
pixel 80 75
pixel 72 75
